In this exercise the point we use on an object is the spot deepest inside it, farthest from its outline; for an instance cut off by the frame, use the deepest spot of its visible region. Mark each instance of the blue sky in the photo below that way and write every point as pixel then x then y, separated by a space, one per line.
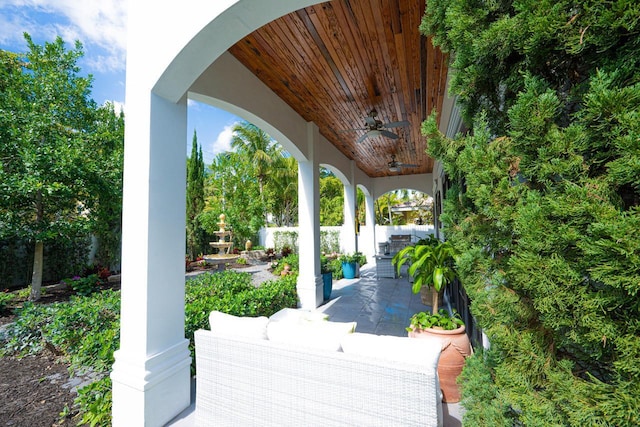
pixel 101 27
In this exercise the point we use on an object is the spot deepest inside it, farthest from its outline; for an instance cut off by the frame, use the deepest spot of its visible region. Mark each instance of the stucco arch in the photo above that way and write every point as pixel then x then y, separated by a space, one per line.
pixel 181 39
pixel 337 172
pixel 422 183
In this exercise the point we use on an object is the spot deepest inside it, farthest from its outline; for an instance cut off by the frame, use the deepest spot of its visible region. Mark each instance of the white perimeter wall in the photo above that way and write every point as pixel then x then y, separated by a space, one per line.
pixel 383 233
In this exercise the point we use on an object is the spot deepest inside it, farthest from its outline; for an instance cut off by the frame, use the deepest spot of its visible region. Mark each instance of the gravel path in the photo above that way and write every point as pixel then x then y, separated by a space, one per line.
pixel 259 273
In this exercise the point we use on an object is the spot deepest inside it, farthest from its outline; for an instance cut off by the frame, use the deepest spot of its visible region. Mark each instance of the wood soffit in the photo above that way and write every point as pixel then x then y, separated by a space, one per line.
pixel 336 61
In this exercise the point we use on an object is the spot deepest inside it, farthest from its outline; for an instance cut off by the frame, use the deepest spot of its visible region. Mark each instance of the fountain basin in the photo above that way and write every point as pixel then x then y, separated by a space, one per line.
pixel 220 259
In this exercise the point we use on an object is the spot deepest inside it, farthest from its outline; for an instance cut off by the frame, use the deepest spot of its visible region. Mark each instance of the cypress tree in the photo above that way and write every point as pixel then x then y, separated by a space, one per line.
pixel 195 199
pixel 545 205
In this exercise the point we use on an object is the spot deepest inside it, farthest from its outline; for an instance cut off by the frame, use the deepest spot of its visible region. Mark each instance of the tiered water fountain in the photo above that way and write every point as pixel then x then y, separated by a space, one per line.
pixel 224 245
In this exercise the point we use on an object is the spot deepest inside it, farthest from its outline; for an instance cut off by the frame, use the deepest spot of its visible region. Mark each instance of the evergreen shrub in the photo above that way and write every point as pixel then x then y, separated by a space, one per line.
pixel 545 205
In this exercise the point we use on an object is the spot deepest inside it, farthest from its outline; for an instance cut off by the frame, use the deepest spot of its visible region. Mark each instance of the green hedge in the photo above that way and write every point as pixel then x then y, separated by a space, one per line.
pixel 545 205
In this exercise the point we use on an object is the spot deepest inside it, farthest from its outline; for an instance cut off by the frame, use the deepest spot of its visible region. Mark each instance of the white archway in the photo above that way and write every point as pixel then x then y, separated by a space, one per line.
pixel 169 48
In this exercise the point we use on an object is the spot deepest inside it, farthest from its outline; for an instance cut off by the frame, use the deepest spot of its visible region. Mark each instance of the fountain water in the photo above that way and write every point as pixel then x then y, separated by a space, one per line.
pixel 224 246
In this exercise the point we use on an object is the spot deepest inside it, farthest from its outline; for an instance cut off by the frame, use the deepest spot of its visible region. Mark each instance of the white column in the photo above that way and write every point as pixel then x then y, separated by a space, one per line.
pixel 349 241
pixel 370 218
pixel 309 284
pixel 151 373
pixel 349 226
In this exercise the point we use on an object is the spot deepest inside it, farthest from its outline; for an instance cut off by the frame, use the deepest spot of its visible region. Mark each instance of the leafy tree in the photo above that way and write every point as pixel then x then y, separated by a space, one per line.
pixel 232 190
pixel 545 205
pixel 260 151
pixel 47 153
pixel 282 191
pixel 195 199
pixel 331 200
pixel 107 140
pixel 383 209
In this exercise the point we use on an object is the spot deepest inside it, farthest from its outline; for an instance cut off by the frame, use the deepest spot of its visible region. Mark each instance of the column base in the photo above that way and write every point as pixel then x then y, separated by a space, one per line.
pixel 154 391
pixel 309 290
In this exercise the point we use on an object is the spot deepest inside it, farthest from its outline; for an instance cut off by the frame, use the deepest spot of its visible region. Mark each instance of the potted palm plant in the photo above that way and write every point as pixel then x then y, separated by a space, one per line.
pixel 433 265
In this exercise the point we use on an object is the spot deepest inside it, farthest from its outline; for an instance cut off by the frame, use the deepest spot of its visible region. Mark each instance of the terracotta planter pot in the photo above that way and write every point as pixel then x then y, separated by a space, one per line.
pixel 455 348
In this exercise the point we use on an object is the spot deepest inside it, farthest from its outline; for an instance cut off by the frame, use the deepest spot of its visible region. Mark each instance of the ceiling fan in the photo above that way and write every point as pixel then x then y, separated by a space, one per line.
pixel 375 127
pixel 395 166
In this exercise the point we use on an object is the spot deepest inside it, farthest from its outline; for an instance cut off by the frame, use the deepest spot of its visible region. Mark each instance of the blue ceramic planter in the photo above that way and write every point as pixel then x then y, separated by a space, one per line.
pixel 327 281
pixel 349 270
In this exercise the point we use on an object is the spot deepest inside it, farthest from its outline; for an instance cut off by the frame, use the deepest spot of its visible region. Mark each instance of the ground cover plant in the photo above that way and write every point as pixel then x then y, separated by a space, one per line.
pixel 545 205
pixel 85 330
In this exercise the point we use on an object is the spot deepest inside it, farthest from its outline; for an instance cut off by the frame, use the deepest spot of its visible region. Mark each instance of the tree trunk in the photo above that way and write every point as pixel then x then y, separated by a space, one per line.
pixel 434 301
pixel 36 278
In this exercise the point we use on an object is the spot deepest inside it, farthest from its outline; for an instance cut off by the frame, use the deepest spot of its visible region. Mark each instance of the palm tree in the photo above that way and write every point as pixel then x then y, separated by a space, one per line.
pixel 283 190
pixel 259 149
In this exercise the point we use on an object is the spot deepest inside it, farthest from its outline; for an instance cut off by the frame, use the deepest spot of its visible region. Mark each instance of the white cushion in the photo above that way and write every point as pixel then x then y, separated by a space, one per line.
pixel 234 326
pixel 295 315
pixel 398 349
pixel 322 335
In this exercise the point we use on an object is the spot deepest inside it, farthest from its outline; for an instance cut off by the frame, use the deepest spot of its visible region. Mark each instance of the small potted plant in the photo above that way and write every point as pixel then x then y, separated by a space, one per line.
pixel 349 262
pixel 360 261
pixel 327 277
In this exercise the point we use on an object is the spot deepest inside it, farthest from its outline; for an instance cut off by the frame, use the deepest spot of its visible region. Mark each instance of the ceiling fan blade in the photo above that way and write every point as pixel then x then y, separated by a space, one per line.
pixel 388 134
pixel 402 124
pixel 351 130
pixel 362 138
pixel 407 165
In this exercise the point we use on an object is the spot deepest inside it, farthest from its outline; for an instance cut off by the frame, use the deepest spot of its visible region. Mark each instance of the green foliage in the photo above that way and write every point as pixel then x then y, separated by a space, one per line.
pixel 331 200
pixel 325 265
pixel 545 205
pixel 440 320
pixel 5 299
pixel 260 152
pixel 350 257
pixel 430 264
pixel 195 200
pixel 231 292
pixel 106 185
pixel 84 285
pixel 232 188
pixel 285 239
pixel 94 401
pixel 60 154
pixel 282 191
pixel 383 205
pixel 293 260
pixel 329 241
pixel 85 328
pixel 335 266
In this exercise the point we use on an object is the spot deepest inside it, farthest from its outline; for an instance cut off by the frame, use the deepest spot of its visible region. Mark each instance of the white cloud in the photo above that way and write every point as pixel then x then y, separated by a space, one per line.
pixel 99 25
pixel 117 106
pixel 223 142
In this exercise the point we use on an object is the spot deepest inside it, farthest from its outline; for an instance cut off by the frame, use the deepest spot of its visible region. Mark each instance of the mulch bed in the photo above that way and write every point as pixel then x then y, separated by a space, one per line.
pixel 32 389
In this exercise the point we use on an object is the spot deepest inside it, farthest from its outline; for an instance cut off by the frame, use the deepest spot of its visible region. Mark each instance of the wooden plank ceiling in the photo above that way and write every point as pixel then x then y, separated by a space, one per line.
pixel 336 61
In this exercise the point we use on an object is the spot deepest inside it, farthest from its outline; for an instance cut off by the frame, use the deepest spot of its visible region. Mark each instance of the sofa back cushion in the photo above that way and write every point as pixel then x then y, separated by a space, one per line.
pixel 234 326
pixel 322 335
pixel 398 349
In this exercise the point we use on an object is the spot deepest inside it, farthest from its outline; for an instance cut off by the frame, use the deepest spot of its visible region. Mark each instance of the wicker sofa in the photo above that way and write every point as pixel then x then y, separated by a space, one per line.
pixel 247 381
